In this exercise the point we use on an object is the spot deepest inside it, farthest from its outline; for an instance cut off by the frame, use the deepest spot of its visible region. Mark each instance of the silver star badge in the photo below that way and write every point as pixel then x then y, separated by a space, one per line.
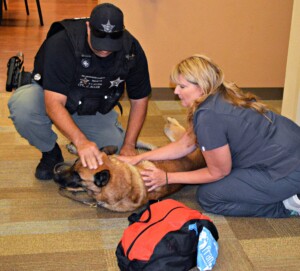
pixel 84 81
pixel 115 83
pixel 108 27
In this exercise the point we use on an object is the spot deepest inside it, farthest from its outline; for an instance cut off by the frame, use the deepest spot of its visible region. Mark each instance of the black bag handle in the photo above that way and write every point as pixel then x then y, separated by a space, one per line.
pixel 135 217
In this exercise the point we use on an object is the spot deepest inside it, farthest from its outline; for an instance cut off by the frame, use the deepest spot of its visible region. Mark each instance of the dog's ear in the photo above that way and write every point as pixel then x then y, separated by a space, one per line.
pixel 102 178
pixel 109 149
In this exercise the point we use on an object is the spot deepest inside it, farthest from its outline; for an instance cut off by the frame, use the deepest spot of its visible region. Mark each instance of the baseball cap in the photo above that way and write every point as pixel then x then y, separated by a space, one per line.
pixel 107 27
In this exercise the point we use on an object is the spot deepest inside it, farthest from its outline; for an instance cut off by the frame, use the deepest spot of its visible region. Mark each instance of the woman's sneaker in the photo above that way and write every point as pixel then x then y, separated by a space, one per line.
pixel 292 204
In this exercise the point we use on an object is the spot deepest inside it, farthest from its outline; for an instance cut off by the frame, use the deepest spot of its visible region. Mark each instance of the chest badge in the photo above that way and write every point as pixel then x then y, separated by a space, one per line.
pixel 85 62
pixel 84 82
pixel 116 83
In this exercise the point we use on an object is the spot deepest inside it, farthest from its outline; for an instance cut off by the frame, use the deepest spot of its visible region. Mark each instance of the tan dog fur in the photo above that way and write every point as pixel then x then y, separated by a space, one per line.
pixel 125 190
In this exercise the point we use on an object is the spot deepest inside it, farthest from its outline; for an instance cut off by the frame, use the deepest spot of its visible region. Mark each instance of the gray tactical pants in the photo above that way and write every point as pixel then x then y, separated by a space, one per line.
pixel 28 113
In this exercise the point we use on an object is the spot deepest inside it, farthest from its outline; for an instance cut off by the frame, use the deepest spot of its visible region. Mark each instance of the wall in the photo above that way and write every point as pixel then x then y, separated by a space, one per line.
pixel 248 39
pixel 291 97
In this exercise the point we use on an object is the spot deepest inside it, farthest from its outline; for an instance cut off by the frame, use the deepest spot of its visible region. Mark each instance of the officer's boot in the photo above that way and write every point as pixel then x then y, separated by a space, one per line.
pixel 44 170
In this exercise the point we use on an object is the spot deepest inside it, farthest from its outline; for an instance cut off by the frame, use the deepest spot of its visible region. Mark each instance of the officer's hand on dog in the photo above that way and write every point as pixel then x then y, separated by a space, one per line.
pixel 153 178
pixel 89 154
pixel 128 150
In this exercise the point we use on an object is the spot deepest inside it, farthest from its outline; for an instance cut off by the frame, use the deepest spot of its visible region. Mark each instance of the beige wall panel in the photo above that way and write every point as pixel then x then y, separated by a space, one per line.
pixel 248 39
pixel 291 97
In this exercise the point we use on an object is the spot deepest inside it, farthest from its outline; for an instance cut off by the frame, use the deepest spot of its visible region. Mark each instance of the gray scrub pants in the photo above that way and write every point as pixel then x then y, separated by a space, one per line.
pixel 28 113
pixel 249 192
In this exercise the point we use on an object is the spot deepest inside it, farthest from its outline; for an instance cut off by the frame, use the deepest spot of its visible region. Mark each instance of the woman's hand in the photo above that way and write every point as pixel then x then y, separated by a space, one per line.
pixel 153 178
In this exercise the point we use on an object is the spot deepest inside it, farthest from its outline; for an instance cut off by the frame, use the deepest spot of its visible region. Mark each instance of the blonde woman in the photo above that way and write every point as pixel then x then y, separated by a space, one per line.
pixel 252 154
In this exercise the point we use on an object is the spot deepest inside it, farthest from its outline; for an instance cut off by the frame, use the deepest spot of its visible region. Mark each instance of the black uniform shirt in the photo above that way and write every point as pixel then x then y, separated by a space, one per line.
pixel 60 68
pixel 254 141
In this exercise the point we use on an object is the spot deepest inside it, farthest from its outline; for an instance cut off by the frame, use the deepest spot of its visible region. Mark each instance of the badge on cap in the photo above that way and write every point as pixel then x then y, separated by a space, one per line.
pixel 108 27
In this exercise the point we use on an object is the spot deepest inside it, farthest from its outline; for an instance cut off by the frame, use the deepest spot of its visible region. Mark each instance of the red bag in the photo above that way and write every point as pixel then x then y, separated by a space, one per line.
pixel 163 237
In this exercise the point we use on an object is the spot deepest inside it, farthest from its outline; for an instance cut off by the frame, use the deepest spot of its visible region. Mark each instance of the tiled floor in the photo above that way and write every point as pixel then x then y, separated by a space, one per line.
pixel 41 230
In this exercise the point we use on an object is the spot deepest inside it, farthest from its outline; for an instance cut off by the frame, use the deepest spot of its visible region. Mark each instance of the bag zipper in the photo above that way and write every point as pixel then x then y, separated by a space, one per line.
pixel 133 242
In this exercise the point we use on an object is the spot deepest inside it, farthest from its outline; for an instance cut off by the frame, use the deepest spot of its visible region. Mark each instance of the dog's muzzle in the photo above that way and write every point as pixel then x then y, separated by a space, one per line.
pixel 65 176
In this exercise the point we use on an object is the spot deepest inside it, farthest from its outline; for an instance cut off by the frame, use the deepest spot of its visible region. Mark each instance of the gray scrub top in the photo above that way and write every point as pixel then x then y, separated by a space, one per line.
pixel 254 140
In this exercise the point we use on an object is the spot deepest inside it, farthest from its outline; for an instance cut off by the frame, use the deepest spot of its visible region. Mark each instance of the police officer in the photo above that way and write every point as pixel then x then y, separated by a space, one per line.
pixel 79 75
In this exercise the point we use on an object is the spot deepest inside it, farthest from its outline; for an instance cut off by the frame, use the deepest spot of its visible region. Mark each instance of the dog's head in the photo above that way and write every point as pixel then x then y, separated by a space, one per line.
pixel 67 175
pixel 114 184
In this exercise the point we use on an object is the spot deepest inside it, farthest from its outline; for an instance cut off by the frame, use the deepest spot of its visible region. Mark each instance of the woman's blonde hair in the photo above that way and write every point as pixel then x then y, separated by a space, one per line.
pixel 202 71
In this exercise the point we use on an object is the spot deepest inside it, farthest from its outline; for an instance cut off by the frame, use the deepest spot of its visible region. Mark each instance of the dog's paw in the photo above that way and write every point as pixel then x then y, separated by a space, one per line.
pixel 71 148
pixel 173 129
pixel 144 146
pixel 111 149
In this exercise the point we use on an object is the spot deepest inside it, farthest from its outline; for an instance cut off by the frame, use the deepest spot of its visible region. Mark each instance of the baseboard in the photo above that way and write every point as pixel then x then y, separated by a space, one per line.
pixel 267 93
pixel 263 93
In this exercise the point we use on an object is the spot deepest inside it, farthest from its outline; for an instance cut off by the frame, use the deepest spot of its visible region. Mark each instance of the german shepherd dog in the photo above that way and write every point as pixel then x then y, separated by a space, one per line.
pixel 118 186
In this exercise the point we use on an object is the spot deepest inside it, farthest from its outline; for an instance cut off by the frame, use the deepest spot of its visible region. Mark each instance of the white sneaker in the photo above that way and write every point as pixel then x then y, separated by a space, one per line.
pixel 292 203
